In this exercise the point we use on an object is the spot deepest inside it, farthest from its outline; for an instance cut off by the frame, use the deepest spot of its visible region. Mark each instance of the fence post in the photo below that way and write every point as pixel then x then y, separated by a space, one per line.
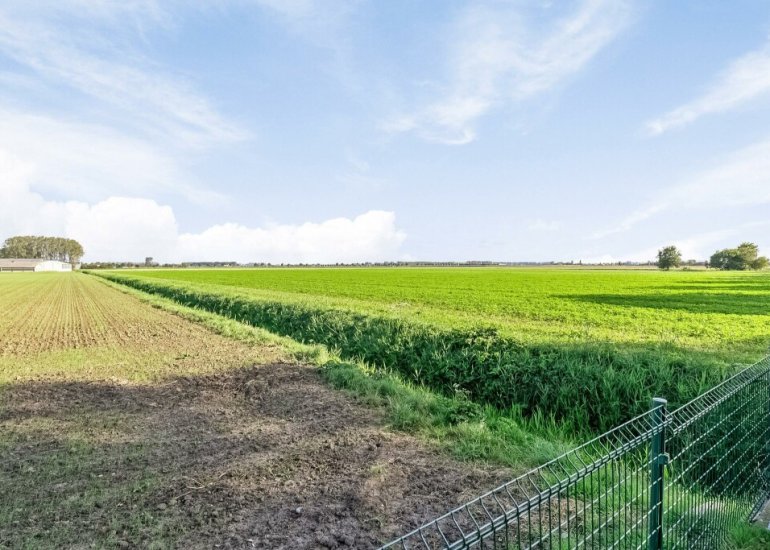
pixel 657 465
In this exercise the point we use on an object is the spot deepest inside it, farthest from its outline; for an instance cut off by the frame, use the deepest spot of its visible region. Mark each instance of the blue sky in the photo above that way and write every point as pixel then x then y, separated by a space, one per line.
pixel 355 130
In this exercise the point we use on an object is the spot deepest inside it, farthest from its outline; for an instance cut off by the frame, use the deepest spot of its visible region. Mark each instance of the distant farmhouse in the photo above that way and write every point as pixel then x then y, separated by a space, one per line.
pixel 17 264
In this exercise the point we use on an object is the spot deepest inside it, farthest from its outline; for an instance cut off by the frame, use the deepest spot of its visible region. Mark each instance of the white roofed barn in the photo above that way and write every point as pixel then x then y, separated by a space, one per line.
pixel 21 264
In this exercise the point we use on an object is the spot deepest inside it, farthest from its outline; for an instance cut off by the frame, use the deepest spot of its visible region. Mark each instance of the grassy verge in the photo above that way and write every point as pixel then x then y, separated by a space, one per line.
pixel 750 537
pixel 592 386
pixel 463 428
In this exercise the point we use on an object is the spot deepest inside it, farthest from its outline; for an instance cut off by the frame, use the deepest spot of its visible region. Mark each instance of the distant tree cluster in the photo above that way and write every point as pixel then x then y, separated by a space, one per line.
pixel 43 248
pixel 744 256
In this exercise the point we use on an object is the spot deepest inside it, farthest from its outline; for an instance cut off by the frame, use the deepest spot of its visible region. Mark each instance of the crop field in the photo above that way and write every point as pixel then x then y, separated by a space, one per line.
pixel 580 347
pixel 129 418
pixel 131 422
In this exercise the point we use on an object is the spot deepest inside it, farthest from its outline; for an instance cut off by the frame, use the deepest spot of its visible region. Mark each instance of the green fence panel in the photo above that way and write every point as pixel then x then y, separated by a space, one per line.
pixel 678 479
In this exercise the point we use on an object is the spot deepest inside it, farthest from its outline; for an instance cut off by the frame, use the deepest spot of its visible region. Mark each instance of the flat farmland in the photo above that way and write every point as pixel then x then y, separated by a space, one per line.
pixel 123 423
pixel 722 312
pixel 587 347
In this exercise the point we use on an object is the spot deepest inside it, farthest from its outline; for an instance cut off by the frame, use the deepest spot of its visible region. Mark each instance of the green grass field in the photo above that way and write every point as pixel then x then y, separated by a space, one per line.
pixel 583 347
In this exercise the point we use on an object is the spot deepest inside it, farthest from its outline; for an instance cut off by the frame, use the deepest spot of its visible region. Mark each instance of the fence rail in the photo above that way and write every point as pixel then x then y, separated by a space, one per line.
pixel 677 479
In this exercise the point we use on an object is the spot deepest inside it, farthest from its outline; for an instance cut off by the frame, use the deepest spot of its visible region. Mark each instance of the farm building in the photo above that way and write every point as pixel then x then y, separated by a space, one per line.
pixel 19 264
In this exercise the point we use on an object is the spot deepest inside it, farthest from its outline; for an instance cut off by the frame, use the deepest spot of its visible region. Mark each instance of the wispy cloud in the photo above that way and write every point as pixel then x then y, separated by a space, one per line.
pixel 500 56
pixel 702 245
pixel 358 174
pixel 91 161
pixel 745 79
pixel 80 48
pixel 544 225
pixel 88 113
pixel 633 219
pixel 137 122
pixel 294 9
pixel 698 245
pixel 742 179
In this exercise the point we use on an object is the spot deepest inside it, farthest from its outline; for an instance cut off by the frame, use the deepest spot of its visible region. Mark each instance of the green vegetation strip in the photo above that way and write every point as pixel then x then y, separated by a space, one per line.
pixel 582 385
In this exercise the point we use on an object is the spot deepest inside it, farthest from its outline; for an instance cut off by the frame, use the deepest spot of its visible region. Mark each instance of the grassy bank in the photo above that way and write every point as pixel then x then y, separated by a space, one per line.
pixel 590 384
pixel 462 428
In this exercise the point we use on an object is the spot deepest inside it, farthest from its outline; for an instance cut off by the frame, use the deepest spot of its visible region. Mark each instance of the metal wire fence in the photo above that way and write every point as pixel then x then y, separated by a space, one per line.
pixel 679 479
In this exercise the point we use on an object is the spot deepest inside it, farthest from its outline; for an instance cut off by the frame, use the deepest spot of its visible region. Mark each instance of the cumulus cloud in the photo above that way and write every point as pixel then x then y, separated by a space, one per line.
pixel 744 80
pixel 370 237
pixel 128 229
pixel 123 228
pixel 500 56
pixel 138 125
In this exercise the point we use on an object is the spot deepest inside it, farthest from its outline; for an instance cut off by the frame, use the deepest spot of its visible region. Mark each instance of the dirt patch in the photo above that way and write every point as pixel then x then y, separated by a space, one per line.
pixel 154 432
pixel 263 457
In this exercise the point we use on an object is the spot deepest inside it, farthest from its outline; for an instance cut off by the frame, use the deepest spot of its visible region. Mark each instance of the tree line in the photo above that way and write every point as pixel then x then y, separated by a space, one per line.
pixel 743 257
pixel 42 248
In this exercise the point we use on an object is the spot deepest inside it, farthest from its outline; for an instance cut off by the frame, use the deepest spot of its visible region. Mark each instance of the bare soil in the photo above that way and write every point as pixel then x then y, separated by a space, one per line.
pixel 254 456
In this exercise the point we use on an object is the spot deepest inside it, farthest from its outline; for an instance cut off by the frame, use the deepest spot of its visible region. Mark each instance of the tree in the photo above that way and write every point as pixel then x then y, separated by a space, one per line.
pixel 744 256
pixel 669 257
pixel 43 248
pixel 720 259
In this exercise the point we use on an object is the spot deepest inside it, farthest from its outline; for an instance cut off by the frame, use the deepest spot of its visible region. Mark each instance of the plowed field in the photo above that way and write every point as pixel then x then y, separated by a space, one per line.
pixel 124 425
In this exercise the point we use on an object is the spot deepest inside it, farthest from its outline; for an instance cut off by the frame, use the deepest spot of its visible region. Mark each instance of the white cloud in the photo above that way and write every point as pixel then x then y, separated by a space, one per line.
pixel 602 259
pixel 124 228
pixel 544 225
pixel 295 9
pixel 702 245
pixel 85 161
pixel 745 79
pixel 698 246
pixel 743 179
pixel 137 121
pixel 633 219
pixel 372 236
pixel 79 45
pixel 498 56
pixel 127 126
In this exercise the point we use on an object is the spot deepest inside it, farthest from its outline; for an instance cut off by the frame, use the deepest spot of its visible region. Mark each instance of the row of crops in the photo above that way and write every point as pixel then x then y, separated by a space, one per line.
pixel 591 384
